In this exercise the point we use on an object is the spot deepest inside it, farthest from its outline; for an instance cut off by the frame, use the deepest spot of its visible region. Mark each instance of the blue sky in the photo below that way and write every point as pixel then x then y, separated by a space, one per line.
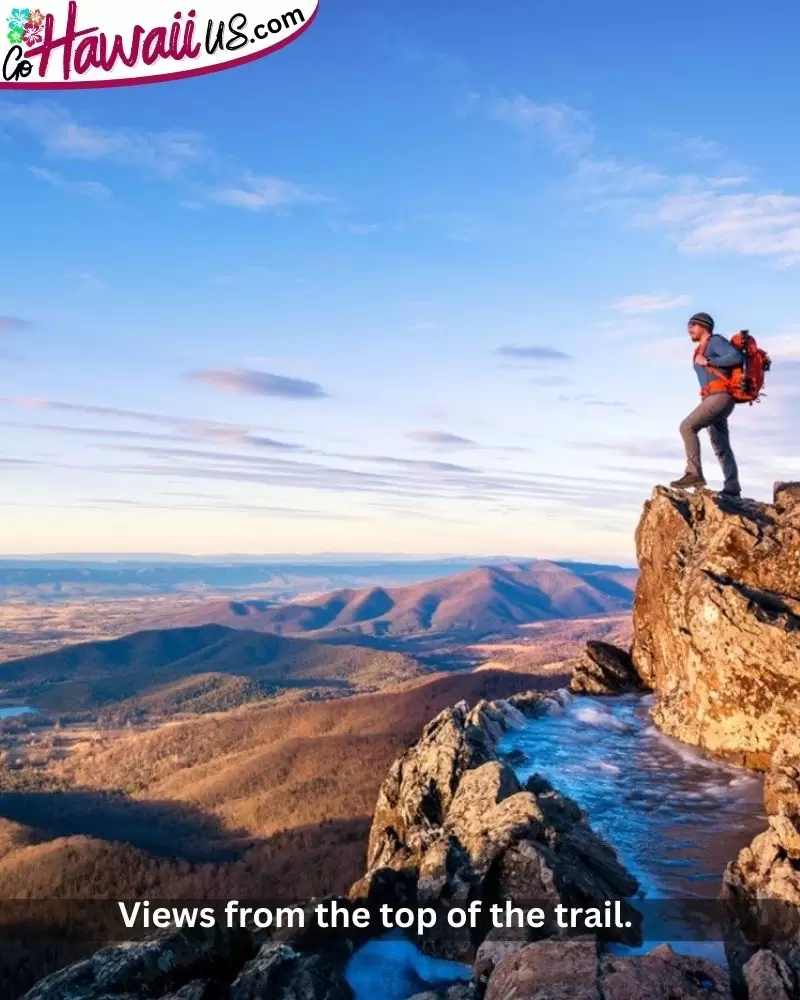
pixel 417 282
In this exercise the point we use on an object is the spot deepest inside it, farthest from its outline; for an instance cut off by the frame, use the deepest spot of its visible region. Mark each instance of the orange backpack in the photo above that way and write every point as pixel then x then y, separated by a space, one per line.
pixel 745 383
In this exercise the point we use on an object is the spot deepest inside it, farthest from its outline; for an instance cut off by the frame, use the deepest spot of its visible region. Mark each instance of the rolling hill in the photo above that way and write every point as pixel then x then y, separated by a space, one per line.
pixel 270 802
pixel 206 668
pixel 477 602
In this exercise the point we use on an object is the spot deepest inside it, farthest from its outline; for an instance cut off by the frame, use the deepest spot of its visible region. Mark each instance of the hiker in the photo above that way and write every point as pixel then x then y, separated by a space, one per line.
pixel 714 359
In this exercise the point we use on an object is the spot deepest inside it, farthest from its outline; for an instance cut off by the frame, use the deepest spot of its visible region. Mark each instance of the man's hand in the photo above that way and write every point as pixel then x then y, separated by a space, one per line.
pixel 701 360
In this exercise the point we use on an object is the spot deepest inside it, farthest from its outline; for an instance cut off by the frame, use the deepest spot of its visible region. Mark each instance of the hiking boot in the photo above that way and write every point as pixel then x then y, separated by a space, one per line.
pixel 688 481
pixel 733 494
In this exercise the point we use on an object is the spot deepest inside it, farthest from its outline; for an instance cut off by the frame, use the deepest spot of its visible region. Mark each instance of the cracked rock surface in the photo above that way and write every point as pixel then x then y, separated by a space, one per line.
pixel 717 619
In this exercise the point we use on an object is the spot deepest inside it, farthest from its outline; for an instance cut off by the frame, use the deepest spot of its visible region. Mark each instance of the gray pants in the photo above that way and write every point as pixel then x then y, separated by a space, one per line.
pixel 712 413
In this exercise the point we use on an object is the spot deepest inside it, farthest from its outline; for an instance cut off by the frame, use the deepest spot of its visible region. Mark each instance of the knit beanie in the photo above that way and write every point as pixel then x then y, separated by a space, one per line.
pixel 704 320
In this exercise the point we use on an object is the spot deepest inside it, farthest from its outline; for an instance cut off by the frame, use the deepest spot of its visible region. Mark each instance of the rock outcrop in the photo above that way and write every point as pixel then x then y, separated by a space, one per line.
pixel 455 819
pixel 761 888
pixel 560 969
pixel 717 619
pixel 768 977
pixel 604 669
pixel 174 966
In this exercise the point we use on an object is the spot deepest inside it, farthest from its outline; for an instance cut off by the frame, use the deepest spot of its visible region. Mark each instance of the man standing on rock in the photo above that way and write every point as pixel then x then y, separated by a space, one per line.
pixel 713 356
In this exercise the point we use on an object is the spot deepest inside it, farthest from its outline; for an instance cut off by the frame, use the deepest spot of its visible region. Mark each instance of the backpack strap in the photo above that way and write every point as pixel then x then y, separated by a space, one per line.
pixel 721 383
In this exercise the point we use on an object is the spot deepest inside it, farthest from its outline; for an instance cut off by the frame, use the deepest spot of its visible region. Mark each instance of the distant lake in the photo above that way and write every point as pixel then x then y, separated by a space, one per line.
pixel 8 713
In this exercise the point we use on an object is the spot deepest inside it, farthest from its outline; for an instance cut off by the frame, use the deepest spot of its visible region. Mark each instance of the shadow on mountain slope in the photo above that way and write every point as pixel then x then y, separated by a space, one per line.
pixel 164 828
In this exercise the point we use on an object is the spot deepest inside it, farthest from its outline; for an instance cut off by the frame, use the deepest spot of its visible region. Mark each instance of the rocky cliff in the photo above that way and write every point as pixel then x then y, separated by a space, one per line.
pixel 717 619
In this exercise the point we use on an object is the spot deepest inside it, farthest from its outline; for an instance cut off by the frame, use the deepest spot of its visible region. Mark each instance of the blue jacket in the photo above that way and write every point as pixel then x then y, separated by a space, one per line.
pixel 721 354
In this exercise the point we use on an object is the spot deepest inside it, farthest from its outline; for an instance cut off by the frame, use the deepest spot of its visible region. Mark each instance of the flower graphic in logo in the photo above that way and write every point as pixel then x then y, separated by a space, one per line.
pixel 33 35
pixel 26 26
pixel 19 18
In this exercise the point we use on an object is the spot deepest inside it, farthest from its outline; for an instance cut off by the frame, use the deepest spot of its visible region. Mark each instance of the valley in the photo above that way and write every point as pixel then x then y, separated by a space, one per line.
pixel 209 746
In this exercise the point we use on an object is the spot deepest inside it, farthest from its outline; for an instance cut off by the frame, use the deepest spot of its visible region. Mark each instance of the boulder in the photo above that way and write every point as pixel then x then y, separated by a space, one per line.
pixel 768 977
pixel 572 969
pixel 662 975
pixel 604 669
pixel 525 702
pixel 155 967
pixel 555 969
pixel 281 973
pixel 490 954
pixel 717 619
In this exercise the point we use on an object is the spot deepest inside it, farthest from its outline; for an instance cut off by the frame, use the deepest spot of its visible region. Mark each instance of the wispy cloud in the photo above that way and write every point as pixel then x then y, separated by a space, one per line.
pixel 609 177
pixel 706 151
pixel 262 194
pixel 647 448
pixel 702 214
pixel 595 402
pixel 747 223
pixel 403 479
pixel 86 189
pixel 412 464
pixel 441 439
pixel 13 324
pixel 245 382
pixel 566 128
pixel 700 147
pixel 35 403
pixel 170 155
pixel 355 228
pixel 220 505
pixel 532 353
pixel 187 427
pixel 635 305
pixel 53 127
pixel 221 436
pixel 17 461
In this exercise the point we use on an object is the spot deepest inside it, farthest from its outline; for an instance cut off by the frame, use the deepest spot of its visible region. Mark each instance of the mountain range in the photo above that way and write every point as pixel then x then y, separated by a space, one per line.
pixel 474 603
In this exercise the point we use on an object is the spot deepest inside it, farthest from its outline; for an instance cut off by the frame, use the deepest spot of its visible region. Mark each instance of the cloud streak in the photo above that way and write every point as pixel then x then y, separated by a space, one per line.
pixel 637 305
pixel 165 153
pixel 746 223
pixel 702 214
pixel 86 189
pixel 252 383
pixel 263 194
pixel 532 353
pixel 13 324
pixel 441 439
pixel 566 128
